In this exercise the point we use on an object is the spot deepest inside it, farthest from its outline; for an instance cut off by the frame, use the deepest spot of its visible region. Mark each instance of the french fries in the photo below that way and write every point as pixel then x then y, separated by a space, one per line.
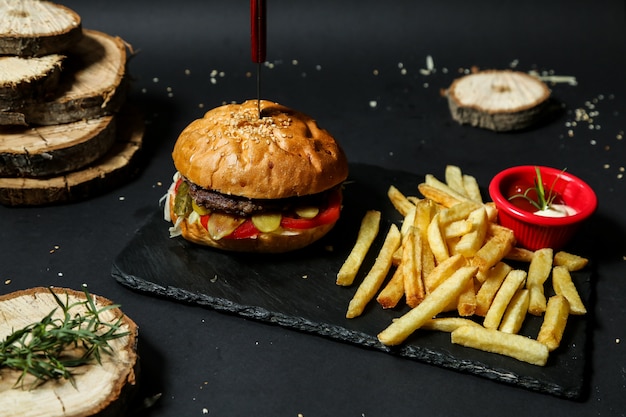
pixel 554 321
pixel 375 277
pixel 563 285
pixel 367 233
pixel 513 281
pixel 435 303
pixel 450 255
pixel 491 340
pixel 538 272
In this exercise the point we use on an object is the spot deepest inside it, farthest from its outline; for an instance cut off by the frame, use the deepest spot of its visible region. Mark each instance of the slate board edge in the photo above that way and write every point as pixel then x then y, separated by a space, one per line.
pixel 338 333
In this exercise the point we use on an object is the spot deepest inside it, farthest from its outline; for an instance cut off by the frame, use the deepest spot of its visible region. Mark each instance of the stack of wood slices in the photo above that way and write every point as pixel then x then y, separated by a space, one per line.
pixel 66 133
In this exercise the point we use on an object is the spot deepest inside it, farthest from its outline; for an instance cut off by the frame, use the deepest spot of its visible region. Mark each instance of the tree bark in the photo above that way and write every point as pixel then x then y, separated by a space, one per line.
pixel 92 84
pixel 498 100
pixel 25 80
pixel 37 28
pixel 113 169
pixel 51 150
pixel 100 389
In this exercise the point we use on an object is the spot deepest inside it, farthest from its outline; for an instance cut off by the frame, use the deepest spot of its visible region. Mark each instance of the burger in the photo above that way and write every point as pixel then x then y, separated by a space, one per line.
pixel 255 177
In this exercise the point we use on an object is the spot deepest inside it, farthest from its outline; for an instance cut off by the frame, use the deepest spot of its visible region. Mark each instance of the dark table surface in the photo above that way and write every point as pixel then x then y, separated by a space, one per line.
pixel 331 60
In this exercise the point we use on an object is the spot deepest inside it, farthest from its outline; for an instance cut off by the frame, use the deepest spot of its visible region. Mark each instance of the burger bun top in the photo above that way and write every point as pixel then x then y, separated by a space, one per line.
pixel 282 154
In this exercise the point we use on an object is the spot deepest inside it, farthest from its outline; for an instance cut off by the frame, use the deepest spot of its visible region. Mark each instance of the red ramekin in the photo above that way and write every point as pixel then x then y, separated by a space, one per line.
pixel 535 232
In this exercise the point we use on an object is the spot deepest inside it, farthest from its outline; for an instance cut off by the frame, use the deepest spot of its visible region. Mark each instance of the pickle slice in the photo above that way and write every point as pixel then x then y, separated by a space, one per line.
pixel 182 201
pixel 267 222
pixel 220 225
pixel 307 212
pixel 199 209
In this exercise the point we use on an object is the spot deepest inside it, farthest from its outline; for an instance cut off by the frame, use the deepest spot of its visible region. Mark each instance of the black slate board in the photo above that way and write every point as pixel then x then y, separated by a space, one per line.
pixel 298 291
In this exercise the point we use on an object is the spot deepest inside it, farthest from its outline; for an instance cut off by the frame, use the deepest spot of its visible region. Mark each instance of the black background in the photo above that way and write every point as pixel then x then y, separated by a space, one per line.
pixel 324 57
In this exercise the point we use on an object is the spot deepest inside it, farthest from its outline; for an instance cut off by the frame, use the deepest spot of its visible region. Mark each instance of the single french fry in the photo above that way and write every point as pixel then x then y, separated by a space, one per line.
pixel 563 285
pixel 490 286
pixel 367 233
pixel 492 211
pixel 470 243
pixel 515 312
pixel 424 212
pixel 433 304
pixel 513 281
pixel 494 249
pixel 513 345
pixel 538 272
pixel 393 291
pixel 399 200
pixel 407 224
pixel 540 267
pixel 466 304
pixel 457 228
pixel 520 254
pixel 456 212
pixel 428 261
pixel 436 241
pixel 448 324
pixel 570 261
pixel 442 271
pixel 437 195
pixel 472 190
pixel 554 321
pixel 454 179
pixel 434 182
pixel 409 221
pixel 375 277
pixel 412 268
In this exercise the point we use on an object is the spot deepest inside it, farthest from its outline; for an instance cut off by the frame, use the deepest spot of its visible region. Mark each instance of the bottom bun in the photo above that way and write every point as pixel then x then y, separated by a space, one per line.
pixel 263 243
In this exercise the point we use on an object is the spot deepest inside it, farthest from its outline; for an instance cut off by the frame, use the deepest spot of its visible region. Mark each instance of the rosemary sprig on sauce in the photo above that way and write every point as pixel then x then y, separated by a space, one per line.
pixel 544 201
pixel 50 348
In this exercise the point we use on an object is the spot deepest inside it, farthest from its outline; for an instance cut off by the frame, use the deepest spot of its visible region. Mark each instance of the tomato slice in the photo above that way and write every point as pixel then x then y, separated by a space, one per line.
pixel 329 215
pixel 248 230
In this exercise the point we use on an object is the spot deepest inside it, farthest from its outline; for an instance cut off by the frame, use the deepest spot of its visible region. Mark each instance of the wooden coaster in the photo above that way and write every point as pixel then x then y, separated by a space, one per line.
pixel 24 80
pixel 116 167
pixel 499 100
pixel 51 150
pixel 99 389
pixel 92 84
pixel 37 28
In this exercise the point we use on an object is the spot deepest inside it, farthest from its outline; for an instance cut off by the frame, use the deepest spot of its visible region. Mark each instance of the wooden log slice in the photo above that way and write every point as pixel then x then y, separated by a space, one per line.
pixel 115 168
pixel 100 389
pixel 93 83
pixel 37 28
pixel 23 80
pixel 499 100
pixel 51 150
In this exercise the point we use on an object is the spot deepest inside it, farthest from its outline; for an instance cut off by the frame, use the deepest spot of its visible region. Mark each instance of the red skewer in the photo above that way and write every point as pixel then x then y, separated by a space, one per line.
pixel 257 42
pixel 257 30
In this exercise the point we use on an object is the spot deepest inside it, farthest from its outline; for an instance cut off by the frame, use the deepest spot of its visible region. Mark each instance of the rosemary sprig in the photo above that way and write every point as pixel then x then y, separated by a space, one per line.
pixel 543 201
pixel 48 349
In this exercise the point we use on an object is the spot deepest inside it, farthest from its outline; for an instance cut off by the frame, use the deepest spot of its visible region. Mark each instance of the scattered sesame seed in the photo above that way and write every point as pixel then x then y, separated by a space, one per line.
pixel 60 274
pixel 607 166
pixel 213 81
pixel 122 198
pixel 375 72
pixel 403 71
pixel 617 340
pixel 318 67
pixel 205 411
pixel 294 62
pixel 373 104
pixel 155 80
pixel 187 71
pixel 7 281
